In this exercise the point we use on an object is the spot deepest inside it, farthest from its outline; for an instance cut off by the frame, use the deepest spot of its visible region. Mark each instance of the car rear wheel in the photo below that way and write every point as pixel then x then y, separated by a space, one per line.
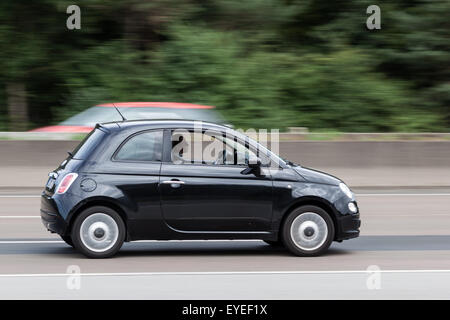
pixel 68 240
pixel 98 232
pixel 308 231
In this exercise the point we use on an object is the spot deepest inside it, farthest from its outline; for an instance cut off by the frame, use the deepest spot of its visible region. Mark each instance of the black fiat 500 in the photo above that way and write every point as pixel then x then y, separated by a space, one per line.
pixel 170 179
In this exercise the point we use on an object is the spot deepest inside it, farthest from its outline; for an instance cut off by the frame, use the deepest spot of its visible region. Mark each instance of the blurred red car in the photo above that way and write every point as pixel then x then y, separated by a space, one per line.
pixel 86 120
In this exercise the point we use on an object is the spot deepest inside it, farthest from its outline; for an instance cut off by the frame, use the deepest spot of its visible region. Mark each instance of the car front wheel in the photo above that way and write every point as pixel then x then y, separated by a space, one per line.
pixel 98 232
pixel 68 240
pixel 308 231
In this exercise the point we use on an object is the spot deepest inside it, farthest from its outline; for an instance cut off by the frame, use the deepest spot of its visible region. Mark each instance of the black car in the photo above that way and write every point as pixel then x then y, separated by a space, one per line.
pixel 144 180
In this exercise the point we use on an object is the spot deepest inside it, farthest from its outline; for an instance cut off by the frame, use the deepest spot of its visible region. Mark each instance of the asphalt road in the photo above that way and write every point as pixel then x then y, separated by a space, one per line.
pixel 405 235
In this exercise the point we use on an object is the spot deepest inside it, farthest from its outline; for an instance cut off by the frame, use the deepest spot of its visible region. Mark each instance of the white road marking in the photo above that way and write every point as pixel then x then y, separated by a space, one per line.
pixel 213 273
pixel 138 241
pixel 417 215
pixel 19 217
pixel 30 241
pixel 384 214
pixel 18 196
pixel 400 194
pixel 358 195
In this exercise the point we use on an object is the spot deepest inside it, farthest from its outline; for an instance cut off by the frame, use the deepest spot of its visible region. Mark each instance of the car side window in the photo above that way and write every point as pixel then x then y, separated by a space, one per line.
pixel 211 148
pixel 145 146
pixel 189 148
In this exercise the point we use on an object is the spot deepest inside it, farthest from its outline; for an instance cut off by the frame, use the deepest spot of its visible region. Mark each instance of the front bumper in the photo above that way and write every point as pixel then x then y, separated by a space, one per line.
pixel 348 222
pixel 348 227
pixel 50 217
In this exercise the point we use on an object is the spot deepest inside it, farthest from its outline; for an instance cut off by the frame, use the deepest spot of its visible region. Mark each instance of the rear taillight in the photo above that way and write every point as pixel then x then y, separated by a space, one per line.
pixel 66 182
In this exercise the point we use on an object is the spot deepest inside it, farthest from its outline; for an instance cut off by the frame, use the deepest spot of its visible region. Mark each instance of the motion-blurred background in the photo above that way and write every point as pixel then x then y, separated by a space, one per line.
pixel 262 63
pixel 311 64
pixel 369 106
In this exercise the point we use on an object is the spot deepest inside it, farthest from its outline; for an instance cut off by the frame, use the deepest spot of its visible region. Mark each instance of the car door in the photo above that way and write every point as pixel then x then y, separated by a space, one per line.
pixel 132 176
pixel 208 196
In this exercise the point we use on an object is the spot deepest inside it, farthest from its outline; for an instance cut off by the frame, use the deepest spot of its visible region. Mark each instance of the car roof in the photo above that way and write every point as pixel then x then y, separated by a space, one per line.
pixel 170 105
pixel 161 123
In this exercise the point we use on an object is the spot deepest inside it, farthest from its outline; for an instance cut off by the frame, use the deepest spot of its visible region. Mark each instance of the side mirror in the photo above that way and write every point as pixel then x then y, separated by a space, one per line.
pixel 253 166
pixel 254 163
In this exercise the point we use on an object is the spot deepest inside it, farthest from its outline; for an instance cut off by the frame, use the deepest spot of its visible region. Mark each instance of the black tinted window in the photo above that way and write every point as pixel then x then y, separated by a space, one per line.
pixel 88 144
pixel 142 147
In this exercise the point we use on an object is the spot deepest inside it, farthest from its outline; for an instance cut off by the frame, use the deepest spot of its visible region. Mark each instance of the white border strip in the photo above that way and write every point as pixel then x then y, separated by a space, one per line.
pixel 215 273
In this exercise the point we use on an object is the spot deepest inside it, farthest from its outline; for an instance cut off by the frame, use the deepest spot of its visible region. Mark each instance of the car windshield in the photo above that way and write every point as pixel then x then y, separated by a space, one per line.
pixel 262 148
pixel 94 115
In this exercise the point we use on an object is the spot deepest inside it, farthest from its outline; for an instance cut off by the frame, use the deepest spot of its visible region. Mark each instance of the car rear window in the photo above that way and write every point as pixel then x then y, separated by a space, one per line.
pixel 89 143
pixel 142 147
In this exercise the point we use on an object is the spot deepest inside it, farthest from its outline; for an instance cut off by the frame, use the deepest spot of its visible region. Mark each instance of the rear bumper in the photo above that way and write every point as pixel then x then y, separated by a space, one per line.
pixel 50 217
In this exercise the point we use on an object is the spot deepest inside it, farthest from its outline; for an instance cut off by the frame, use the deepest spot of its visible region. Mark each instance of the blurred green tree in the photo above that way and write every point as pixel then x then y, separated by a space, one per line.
pixel 263 63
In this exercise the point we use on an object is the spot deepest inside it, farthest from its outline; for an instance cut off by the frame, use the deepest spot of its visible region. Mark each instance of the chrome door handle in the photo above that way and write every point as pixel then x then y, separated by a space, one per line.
pixel 173 182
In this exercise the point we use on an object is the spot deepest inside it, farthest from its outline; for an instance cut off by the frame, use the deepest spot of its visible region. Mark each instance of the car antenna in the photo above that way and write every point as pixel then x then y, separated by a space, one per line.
pixel 123 118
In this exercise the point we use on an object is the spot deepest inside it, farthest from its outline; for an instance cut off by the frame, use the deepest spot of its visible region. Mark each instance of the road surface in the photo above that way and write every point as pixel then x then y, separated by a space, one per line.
pixel 405 243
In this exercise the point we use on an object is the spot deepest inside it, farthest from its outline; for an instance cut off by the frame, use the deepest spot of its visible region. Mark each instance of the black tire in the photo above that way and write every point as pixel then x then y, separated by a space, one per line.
pixel 84 249
pixel 274 243
pixel 67 239
pixel 326 238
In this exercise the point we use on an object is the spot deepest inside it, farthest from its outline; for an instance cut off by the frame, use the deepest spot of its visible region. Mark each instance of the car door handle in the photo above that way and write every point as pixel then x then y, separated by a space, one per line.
pixel 173 182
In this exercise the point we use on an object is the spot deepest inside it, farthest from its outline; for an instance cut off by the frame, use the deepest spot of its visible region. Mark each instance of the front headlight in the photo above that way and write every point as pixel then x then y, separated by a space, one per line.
pixel 346 190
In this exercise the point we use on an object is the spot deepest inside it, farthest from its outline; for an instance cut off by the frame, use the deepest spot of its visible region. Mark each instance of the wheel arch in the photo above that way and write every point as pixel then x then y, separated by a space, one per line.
pixel 311 201
pixel 97 201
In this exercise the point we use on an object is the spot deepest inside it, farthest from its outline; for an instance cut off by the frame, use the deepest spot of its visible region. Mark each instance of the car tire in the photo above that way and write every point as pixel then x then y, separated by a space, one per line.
pixel 67 239
pixel 308 231
pixel 98 232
